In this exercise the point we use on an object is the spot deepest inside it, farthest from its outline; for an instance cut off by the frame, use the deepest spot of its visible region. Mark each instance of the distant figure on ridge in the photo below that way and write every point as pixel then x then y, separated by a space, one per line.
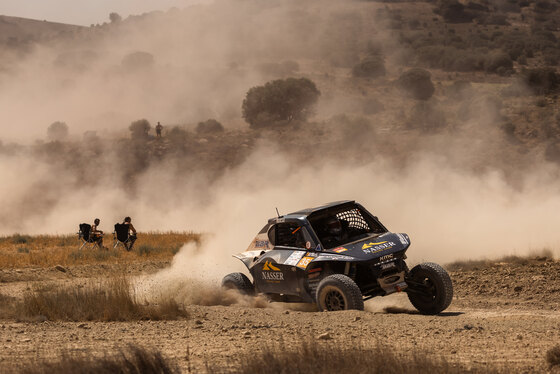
pixel 132 237
pixel 159 127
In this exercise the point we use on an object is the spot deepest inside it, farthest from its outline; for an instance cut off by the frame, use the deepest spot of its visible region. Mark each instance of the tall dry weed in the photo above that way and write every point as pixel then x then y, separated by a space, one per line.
pixel 314 357
pixel 112 300
pixel 133 360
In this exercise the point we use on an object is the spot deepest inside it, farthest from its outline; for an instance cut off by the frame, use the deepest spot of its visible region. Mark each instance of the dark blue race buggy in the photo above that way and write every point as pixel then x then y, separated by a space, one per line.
pixel 337 255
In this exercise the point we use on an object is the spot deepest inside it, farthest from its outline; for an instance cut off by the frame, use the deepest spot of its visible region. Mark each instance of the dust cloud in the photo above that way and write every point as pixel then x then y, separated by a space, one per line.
pixel 464 193
pixel 448 214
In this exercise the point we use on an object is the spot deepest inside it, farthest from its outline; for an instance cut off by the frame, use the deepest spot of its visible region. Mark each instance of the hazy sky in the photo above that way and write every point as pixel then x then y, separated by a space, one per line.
pixel 84 12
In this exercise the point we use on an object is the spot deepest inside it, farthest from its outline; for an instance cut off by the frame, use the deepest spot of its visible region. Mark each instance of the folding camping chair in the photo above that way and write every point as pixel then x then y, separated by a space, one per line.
pixel 85 236
pixel 121 236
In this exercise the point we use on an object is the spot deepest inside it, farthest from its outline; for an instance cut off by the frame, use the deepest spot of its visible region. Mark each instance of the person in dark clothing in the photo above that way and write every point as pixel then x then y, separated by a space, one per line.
pixel 159 127
pixel 131 232
pixel 96 234
pixel 335 233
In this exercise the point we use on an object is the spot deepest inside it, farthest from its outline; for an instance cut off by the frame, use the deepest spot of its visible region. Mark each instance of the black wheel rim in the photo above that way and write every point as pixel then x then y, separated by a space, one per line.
pixel 429 289
pixel 334 300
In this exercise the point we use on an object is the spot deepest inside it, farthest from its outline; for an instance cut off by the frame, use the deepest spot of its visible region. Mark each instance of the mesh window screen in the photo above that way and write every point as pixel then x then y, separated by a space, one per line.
pixel 354 219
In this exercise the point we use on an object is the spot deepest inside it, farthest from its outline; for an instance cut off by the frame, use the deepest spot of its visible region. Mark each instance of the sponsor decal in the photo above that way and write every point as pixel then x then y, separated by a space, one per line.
pixel 333 257
pixel 308 245
pixel 271 276
pixel 388 266
pixel 271 273
pixel 402 238
pixel 371 248
pixel 304 262
pixel 340 249
pixel 386 257
pixel 318 248
pixel 269 266
pixel 369 245
pixel 294 258
pixel 261 244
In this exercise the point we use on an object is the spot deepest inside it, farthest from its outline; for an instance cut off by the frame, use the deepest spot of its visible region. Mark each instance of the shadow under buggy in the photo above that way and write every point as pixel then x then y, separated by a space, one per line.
pixel 337 255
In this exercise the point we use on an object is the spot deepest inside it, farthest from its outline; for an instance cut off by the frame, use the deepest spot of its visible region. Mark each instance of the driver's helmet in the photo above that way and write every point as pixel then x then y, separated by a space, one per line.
pixel 334 227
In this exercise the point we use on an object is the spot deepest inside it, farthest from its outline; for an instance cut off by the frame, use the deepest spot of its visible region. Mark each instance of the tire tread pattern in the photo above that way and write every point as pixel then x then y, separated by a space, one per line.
pixel 445 283
pixel 240 282
pixel 347 285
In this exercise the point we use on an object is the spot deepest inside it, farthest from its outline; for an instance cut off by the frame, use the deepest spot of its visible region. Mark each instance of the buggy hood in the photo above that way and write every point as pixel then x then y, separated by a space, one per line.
pixel 371 248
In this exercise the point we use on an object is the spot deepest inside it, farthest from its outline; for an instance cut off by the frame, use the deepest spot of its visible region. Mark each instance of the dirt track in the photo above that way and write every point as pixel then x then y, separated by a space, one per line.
pixel 493 318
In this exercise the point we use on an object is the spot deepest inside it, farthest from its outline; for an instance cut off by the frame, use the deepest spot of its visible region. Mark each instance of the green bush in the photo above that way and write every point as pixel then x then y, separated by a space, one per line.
pixel 545 6
pixel 21 239
pixel 541 81
pixel 416 83
pixel 209 127
pixel 453 11
pixel 57 131
pixel 497 60
pixel 139 129
pixel 370 67
pixel 280 100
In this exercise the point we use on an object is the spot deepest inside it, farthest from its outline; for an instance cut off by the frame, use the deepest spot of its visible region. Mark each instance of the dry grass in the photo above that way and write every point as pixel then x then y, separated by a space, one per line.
pixel 6 306
pixel 313 357
pixel 112 300
pixel 134 360
pixel 469 265
pixel 20 251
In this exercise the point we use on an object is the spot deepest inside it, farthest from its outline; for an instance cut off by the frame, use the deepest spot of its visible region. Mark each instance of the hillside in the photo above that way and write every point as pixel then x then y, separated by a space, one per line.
pixel 14 30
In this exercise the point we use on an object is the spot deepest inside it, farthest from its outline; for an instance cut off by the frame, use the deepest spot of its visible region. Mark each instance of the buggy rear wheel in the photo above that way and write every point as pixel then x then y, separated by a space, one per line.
pixel 430 289
pixel 240 282
pixel 339 292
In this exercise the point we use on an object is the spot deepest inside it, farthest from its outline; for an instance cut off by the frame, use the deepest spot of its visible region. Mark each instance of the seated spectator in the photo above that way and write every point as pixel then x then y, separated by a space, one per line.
pixel 131 231
pixel 96 234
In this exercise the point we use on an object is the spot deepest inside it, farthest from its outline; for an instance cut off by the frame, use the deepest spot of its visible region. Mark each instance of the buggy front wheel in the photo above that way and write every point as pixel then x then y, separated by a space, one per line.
pixel 429 288
pixel 339 292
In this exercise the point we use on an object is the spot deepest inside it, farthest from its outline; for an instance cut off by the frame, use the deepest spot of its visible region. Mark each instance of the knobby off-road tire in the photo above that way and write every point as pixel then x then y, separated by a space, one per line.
pixel 339 292
pixel 240 282
pixel 436 282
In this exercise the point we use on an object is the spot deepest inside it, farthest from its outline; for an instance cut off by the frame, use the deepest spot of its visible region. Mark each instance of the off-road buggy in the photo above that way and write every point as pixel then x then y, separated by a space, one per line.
pixel 337 255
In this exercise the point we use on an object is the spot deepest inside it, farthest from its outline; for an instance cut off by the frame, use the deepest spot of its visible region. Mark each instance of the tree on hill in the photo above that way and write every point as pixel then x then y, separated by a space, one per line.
pixel 453 11
pixel 139 129
pixel 416 83
pixel 209 127
pixel 57 131
pixel 370 67
pixel 280 100
pixel 115 17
